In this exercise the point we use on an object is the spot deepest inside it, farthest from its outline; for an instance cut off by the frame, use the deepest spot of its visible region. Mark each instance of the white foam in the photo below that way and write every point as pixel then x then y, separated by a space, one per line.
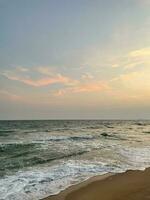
pixel 136 157
pixel 38 183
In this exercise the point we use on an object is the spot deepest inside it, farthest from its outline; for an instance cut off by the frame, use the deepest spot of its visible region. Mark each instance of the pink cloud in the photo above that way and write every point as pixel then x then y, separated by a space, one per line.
pixel 46 81
pixel 57 78
pixel 83 88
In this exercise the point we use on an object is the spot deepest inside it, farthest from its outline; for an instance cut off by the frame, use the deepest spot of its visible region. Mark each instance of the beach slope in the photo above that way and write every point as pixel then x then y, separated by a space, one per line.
pixel 131 185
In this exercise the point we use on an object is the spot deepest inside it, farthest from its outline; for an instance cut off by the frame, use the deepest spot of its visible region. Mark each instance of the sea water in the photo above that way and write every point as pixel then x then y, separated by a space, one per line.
pixel 41 158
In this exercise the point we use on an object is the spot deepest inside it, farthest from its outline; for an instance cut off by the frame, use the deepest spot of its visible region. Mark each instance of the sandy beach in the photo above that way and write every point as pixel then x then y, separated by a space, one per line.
pixel 130 185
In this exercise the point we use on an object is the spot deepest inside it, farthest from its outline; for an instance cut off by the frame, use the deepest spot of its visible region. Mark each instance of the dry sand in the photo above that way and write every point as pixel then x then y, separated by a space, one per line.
pixel 131 185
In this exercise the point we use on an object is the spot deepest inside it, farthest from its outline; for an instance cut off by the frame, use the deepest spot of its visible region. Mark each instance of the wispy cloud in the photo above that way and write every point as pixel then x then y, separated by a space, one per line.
pixel 10 95
pixel 140 53
pixel 48 79
pixel 45 70
pixel 94 86
pixel 101 59
pixel 133 85
pixel 138 80
pixel 43 81
pixel 22 69
pixel 133 59
pixel 87 76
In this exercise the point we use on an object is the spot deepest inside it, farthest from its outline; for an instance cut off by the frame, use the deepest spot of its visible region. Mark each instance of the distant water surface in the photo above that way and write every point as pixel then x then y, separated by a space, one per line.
pixel 41 158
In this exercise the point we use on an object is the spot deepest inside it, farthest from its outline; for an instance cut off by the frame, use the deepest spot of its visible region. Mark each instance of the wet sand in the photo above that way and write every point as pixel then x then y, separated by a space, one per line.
pixel 131 185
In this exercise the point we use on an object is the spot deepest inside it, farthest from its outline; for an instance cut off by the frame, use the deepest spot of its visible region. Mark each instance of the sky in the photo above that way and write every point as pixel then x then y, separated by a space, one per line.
pixel 74 59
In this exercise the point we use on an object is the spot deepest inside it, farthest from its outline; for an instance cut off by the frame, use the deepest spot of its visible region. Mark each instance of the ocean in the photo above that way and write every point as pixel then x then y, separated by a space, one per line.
pixel 41 158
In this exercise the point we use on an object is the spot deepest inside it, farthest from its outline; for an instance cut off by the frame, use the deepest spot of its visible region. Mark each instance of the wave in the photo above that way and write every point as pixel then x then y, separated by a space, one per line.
pixel 19 156
pixel 147 132
pixel 41 160
pixel 112 136
pixel 12 147
pixel 82 137
pixel 6 132
pixel 38 183
pixel 109 126
pixel 92 127
pixel 142 124
pixel 41 182
pixel 55 155
pixel 62 138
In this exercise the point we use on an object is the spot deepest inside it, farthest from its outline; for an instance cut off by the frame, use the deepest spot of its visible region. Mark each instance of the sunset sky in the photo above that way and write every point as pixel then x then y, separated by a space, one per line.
pixel 74 59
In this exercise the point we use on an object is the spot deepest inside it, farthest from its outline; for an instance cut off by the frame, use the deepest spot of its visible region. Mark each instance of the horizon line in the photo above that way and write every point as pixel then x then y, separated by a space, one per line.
pixel 77 119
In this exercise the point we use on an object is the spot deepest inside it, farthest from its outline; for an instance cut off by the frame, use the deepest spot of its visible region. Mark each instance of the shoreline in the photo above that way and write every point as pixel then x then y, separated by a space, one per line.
pixel 62 194
pixel 132 184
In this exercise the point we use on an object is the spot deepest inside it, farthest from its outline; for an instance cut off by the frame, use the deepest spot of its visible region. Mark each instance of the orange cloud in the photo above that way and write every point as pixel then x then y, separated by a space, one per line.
pixel 84 87
pixel 56 78
pixel 46 81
